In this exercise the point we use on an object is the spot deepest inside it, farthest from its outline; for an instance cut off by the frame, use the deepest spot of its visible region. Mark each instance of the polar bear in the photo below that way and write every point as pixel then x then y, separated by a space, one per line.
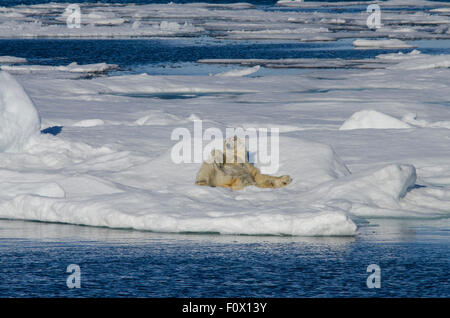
pixel 232 169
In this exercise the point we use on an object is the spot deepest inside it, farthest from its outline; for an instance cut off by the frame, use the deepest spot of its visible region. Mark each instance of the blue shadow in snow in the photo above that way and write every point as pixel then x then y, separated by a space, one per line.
pixel 55 130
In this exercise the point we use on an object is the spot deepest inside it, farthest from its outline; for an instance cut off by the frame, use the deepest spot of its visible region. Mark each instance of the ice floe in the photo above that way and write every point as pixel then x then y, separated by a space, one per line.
pixel 107 167
pixel 391 43
pixel 12 60
pixel 119 172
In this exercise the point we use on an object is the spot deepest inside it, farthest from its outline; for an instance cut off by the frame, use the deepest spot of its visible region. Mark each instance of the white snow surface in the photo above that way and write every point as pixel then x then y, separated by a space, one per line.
pixel 114 169
pixel 19 119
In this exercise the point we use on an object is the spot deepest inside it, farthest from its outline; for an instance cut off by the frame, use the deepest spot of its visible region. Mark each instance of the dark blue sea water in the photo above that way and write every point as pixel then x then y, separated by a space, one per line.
pixel 413 260
pixel 163 51
pixel 180 55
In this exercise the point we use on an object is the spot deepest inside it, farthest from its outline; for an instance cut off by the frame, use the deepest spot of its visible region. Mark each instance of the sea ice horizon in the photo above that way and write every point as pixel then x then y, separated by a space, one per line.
pixel 106 118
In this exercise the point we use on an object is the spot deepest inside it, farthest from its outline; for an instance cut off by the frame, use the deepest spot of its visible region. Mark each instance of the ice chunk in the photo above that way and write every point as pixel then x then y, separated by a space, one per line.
pixel 12 60
pixel 89 68
pixel 72 67
pixel 366 119
pixel 399 55
pixel 391 43
pixel 387 184
pixel 444 10
pixel 19 119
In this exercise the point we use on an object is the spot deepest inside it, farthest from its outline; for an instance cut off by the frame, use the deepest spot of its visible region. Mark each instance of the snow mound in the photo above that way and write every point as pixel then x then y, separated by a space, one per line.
pixel 158 118
pixel 19 119
pixel 380 188
pixel 372 119
pixel 309 163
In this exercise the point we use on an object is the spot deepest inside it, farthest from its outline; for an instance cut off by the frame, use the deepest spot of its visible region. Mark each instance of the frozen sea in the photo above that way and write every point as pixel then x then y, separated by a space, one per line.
pixel 83 197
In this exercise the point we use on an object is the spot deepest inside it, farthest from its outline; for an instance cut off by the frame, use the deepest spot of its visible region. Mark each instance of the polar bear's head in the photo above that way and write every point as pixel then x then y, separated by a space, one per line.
pixel 235 150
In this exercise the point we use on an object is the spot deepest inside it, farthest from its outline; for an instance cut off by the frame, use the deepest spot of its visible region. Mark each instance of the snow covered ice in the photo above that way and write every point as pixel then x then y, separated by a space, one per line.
pixel 113 171
pixel 73 67
pixel 19 119
pixel 369 138
pixel 393 43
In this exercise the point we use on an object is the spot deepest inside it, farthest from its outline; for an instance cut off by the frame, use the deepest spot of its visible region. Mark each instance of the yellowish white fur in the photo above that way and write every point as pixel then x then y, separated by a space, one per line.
pixel 232 171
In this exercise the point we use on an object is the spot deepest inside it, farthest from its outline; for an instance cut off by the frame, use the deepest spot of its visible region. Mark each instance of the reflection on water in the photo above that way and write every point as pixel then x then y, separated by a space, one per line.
pixel 376 230
pixel 129 263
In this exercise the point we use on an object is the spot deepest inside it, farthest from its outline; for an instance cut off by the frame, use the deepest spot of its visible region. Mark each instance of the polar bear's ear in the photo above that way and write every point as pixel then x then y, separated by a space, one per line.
pixel 216 156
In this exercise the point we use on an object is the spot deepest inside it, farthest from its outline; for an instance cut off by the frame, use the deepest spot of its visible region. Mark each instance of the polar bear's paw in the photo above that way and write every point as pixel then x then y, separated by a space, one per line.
pixel 282 181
